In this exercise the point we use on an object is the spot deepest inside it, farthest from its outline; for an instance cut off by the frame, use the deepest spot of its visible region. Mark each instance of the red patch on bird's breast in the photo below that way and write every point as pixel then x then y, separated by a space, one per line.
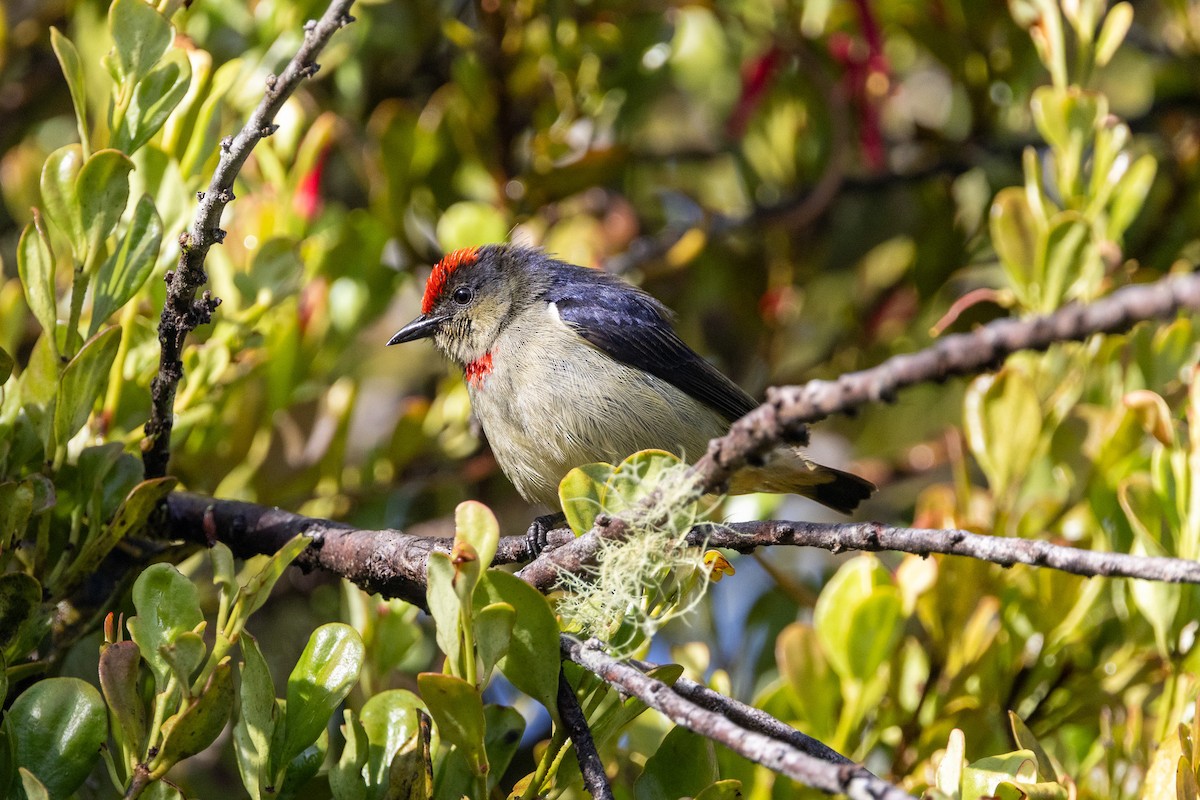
pixel 478 369
pixel 441 274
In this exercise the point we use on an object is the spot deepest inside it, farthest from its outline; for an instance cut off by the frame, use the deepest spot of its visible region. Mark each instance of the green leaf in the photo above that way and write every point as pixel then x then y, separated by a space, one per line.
pixel 131 516
pixel 1003 423
pixel 35 265
pixel 58 726
pixel 815 689
pixel 167 607
pixel 302 768
pixel 6 366
pixel 582 494
pixel 722 790
pixel 1112 32
pixel 16 506
pixel 103 191
pixel 476 524
pixel 1027 741
pixel 457 710
pixel 1066 118
pixel 83 383
pixel 493 631
pixel 1070 260
pixel 141 36
pixel 346 780
pixel 1129 196
pixel 60 198
pixel 119 663
pixel 860 587
pixel 326 672
pixel 257 589
pixel 1014 228
pixel 411 774
pixel 184 656
pixel 255 722
pixel 531 663
pixel 503 728
pixel 20 605
pixel 72 67
pixel 682 766
pixel 444 605
pixel 200 723
pixel 981 778
pixel 155 97
pixel 126 270
pixel 389 720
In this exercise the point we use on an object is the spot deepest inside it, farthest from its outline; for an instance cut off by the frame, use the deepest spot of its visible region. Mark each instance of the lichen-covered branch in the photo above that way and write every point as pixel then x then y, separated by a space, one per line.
pixel 183 313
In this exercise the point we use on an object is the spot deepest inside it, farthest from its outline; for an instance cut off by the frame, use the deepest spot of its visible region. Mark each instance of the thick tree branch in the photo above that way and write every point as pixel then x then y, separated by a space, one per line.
pixel 776 754
pixel 182 313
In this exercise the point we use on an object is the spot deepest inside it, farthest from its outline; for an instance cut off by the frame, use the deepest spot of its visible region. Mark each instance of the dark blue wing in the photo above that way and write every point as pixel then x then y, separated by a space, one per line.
pixel 634 328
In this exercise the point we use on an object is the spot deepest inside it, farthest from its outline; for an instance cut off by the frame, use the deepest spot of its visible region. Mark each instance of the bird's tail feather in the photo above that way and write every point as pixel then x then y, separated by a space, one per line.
pixel 789 472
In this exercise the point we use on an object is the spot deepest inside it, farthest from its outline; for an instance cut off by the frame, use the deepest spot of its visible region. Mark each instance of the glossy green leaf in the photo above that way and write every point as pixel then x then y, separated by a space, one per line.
pixel 72 67
pixel 493 632
pixel 141 36
pixel 1065 119
pixel 103 191
pixel 1027 741
pixel 475 523
pixel 83 382
pixel 582 495
pixel 457 710
pixel 6 366
pixel 58 726
pixel 254 724
pixel 531 663
pixel 184 656
pixel 167 606
pixel 126 271
pixel 60 198
pixel 119 667
pixel 444 605
pixel 411 773
pixel 326 672
pixel 196 727
pixel 683 766
pixel 877 625
pixel 389 720
pixel 20 603
pixel 302 768
pixel 981 778
pixel 155 97
pixel 346 780
pixel 35 265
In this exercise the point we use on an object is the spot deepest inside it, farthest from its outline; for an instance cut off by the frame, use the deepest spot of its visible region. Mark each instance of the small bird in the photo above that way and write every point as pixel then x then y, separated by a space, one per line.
pixel 568 366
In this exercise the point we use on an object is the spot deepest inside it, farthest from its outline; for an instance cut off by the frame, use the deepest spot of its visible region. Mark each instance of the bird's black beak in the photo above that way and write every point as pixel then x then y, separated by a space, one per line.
pixel 422 327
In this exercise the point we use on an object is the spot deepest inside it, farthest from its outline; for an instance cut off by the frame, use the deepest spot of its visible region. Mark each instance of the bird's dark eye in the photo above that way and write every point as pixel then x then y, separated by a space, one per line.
pixel 463 295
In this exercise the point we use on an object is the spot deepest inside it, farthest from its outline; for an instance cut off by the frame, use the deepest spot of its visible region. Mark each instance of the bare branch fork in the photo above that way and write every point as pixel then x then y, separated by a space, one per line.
pixel 183 313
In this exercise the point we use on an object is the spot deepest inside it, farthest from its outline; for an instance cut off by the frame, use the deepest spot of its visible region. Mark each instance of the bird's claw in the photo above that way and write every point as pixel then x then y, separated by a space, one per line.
pixel 536 537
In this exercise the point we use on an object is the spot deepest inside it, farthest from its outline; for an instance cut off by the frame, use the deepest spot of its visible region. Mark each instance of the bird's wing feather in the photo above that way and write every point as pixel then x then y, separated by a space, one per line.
pixel 634 328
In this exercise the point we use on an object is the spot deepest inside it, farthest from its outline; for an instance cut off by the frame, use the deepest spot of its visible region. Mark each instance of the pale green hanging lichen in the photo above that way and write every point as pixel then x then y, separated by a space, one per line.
pixel 652 576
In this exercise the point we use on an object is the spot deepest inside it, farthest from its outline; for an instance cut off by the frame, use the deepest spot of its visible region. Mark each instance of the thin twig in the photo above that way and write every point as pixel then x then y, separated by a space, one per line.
pixel 182 313
pixel 776 754
pixel 595 780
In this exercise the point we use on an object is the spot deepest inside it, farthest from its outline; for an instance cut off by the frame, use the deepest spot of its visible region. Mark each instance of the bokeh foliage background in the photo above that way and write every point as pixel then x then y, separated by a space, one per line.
pixel 812 187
